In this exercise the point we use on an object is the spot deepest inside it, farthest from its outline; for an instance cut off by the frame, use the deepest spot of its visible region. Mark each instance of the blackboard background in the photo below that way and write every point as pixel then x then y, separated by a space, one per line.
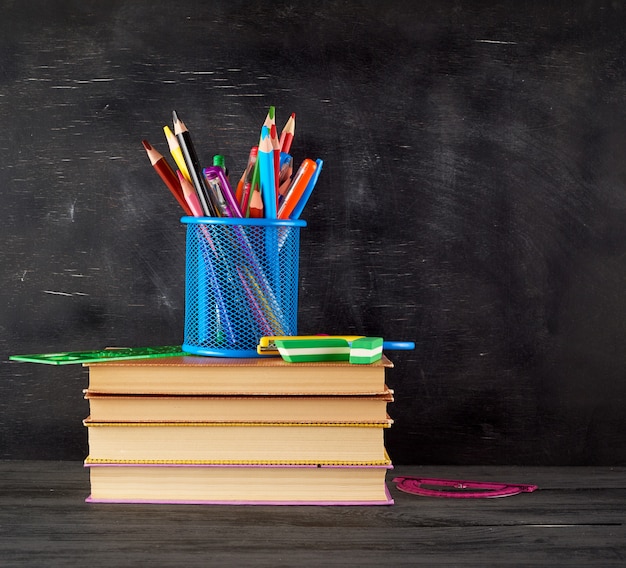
pixel 472 200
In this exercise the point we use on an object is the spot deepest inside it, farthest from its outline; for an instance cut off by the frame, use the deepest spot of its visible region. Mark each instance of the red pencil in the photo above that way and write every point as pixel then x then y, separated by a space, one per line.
pixel 159 163
pixel 286 136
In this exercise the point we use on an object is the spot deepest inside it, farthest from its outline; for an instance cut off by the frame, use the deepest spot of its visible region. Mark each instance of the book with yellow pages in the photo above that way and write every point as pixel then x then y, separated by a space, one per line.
pixel 260 408
pixel 296 443
pixel 224 376
pixel 239 484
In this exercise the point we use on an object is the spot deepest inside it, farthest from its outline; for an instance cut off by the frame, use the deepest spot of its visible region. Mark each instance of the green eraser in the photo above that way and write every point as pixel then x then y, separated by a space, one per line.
pixel 307 350
pixel 366 350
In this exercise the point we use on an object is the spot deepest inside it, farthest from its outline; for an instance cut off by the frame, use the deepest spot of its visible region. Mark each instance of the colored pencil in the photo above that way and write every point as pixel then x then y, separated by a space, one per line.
pixel 276 147
pixel 270 118
pixel 266 188
pixel 287 134
pixel 266 167
pixel 257 312
pixel 246 178
pixel 284 179
pixel 176 152
pixel 166 173
pixel 247 188
pixel 256 205
pixel 190 195
pixel 193 165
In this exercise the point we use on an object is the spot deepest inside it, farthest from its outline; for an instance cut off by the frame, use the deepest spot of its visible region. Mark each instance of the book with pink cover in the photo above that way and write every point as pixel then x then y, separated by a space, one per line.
pixel 244 484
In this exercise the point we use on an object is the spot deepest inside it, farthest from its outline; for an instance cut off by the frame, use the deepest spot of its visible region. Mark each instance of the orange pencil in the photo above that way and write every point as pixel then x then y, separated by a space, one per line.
pixel 287 134
pixel 296 189
pixel 256 204
pixel 167 174
pixel 246 176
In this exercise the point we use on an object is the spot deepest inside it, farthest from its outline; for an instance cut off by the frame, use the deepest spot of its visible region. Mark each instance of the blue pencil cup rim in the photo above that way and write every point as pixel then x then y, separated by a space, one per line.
pixel 243 221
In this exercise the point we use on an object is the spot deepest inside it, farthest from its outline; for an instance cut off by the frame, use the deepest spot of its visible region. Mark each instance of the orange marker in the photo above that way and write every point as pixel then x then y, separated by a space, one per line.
pixel 296 189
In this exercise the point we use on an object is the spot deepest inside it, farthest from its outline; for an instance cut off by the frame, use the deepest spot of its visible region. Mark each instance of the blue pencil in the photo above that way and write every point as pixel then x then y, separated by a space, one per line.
pixel 268 178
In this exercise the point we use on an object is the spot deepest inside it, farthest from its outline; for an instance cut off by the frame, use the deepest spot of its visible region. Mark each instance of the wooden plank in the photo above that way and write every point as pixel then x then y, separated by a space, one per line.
pixel 576 520
pixel 544 477
pixel 331 546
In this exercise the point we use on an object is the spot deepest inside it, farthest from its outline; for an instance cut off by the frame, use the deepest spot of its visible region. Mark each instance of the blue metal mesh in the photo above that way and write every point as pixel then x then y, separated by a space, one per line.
pixel 241 284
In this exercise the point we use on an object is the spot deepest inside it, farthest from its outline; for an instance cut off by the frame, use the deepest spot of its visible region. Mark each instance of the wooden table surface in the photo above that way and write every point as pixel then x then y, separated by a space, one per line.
pixel 575 518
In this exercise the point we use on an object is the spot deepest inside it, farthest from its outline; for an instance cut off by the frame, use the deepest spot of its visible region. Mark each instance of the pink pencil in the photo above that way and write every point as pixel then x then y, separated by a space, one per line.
pixel 190 195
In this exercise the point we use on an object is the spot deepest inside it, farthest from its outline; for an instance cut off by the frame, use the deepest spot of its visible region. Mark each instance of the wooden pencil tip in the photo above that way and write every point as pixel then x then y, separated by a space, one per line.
pixel 146 145
pixel 179 125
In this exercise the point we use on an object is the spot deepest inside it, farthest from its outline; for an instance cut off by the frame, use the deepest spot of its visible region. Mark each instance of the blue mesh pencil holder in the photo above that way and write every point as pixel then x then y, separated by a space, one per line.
pixel 241 283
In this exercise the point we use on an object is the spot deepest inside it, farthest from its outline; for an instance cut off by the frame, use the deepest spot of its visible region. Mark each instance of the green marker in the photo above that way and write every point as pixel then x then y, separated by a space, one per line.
pixel 220 161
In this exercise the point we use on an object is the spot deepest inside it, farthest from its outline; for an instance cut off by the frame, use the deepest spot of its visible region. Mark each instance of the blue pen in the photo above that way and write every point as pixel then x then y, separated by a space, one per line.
pixel 399 345
pixel 297 211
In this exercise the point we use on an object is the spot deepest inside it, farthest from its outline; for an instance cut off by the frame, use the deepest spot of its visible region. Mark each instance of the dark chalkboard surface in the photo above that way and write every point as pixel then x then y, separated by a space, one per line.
pixel 472 200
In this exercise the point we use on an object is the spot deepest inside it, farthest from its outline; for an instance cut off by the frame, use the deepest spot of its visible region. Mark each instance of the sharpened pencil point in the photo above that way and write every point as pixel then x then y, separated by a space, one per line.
pixel 179 125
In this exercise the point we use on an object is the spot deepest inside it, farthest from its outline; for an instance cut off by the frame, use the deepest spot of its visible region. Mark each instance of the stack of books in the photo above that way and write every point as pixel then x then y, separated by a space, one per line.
pixel 238 431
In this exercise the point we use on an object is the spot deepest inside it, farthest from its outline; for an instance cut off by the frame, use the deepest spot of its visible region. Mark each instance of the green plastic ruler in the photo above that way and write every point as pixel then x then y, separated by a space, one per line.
pixel 73 357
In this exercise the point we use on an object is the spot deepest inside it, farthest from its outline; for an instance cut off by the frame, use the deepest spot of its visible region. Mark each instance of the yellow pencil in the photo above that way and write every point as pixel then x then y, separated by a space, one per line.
pixel 176 152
